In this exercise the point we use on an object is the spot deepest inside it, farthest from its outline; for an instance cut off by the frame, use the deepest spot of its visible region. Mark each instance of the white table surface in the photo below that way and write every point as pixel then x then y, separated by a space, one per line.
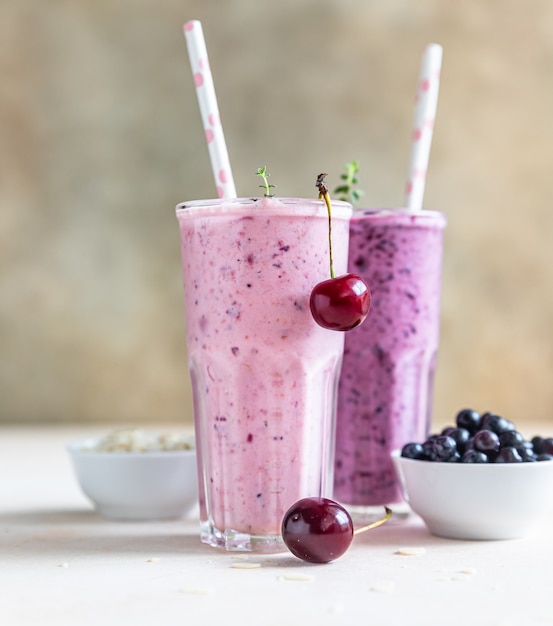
pixel 62 564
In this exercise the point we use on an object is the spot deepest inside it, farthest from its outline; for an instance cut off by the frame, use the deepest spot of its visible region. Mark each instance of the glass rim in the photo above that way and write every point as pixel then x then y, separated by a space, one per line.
pixel 340 209
pixel 383 214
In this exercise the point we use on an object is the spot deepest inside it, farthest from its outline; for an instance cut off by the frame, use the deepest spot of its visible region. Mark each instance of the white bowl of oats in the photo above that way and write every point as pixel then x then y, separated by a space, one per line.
pixel 135 475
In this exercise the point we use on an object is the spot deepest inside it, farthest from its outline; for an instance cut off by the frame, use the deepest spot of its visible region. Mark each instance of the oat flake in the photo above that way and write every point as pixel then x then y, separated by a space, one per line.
pixel 411 551
pixel 245 565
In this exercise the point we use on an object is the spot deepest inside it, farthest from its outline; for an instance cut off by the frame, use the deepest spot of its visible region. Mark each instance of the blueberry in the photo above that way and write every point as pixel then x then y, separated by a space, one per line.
pixel 427 447
pixel 440 448
pixel 495 423
pixel 486 441
pixel 527 454
pixel 508 455
pixel 526 451
pixel 537 442
pixel 511 438
pixel 548 446
pixel 544 457
pixel 543 445
pixel 473 456
pixel 428 450
pixel 454 458
pixel 461 436
pixel 468 419
pixel 413 451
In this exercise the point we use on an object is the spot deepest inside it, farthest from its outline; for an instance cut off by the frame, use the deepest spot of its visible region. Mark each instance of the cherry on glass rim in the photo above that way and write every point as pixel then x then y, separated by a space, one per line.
pixel 340 303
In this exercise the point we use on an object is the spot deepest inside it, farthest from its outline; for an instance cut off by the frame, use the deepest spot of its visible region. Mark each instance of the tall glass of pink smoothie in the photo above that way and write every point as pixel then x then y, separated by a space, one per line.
pixel 264 374
pixel 386 384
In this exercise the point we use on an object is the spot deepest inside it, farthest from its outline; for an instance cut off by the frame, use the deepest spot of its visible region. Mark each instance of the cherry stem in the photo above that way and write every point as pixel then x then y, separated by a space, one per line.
pixel 324 195
pixel 378 522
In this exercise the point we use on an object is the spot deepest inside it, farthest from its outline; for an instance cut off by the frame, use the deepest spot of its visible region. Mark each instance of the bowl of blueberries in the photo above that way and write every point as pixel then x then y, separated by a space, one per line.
pixel 480 479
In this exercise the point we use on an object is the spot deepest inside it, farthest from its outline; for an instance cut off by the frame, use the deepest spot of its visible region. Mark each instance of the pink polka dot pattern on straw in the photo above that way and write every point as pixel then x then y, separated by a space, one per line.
pixel 423 125
pixel 209 110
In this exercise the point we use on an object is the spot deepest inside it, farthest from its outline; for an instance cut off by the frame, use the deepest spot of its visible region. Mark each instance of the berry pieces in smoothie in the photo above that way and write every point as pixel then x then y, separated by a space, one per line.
pixel 476 438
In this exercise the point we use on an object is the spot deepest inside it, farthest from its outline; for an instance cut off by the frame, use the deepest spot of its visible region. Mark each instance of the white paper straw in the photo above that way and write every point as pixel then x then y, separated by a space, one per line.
pixel 209 110
pixel 423 125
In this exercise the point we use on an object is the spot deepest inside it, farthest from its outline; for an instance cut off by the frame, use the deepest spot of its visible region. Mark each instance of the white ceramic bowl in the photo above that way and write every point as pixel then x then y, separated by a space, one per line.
pixel 136 485
pixel 477 501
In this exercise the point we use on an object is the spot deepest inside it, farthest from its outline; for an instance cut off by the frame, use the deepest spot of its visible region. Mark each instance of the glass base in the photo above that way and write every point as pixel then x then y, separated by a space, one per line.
pixel 235 541
pixel 364 515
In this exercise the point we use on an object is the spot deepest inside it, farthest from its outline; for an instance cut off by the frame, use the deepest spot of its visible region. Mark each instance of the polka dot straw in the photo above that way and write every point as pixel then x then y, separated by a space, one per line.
pixel 209 110
pixel 423 125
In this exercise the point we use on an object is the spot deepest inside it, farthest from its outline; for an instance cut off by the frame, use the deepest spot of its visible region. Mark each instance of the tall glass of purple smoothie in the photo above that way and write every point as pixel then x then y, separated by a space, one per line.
pixel 386 384
pixel 264 374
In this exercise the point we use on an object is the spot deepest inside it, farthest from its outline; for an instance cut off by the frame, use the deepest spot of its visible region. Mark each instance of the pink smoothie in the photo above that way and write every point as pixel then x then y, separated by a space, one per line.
pixel 385 391
pixel 264 374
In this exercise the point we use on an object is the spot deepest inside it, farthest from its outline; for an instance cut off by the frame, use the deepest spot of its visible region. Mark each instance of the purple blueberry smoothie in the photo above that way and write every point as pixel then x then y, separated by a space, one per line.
pixel 264 374
pixel 386 384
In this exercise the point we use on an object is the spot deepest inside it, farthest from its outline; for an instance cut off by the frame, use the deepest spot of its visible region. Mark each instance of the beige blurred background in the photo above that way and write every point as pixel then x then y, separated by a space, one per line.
pixel 100 137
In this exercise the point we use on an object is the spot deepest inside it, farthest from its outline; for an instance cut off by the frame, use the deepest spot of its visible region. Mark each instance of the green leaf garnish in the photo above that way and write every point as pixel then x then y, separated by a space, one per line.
pixel 345 191
pixel 262 171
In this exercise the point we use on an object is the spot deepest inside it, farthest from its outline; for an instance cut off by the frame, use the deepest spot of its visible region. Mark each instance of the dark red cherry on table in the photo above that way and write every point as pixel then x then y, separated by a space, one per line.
pixel 317 530
pixel 340 303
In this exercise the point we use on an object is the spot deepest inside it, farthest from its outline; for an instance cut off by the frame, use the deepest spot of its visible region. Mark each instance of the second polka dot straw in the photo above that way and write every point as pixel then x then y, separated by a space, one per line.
pixel 209 110
pixel 423 125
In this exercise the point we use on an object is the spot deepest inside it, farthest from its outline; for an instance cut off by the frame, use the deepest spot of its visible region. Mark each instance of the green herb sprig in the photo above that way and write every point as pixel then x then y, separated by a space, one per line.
pixel 345 191
pixel 262 171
